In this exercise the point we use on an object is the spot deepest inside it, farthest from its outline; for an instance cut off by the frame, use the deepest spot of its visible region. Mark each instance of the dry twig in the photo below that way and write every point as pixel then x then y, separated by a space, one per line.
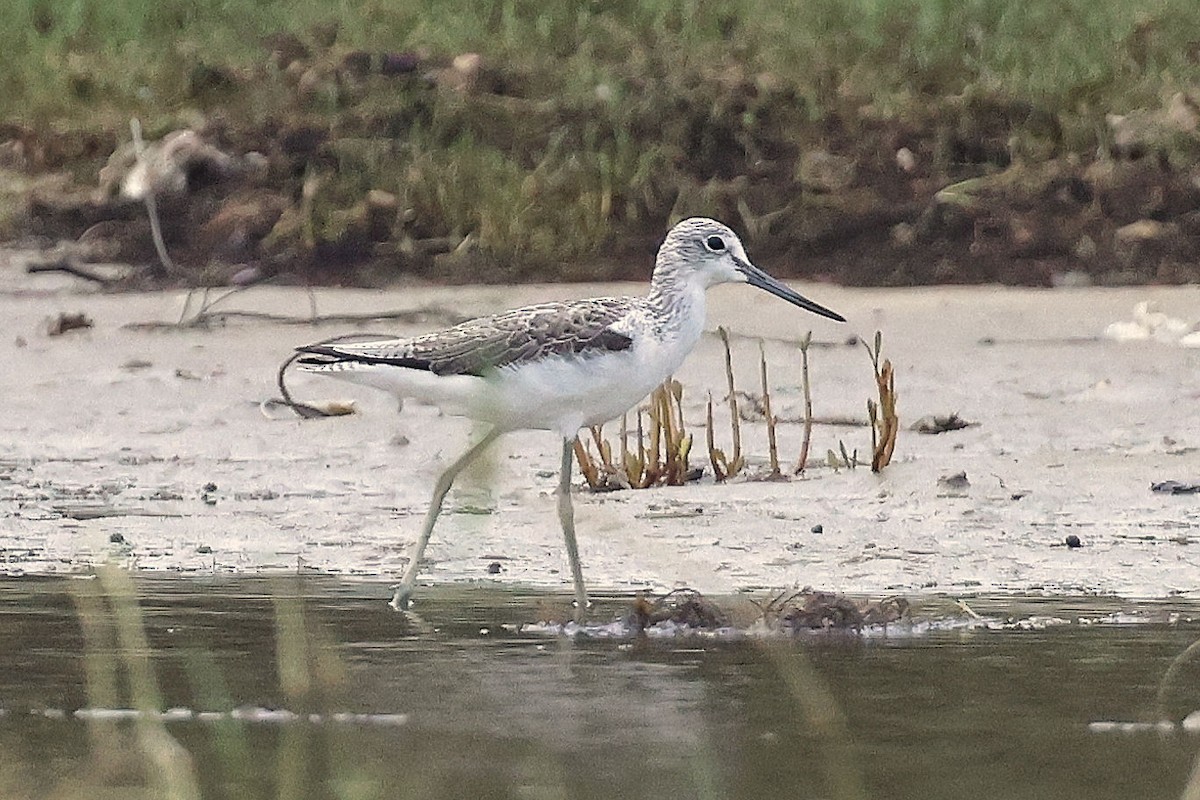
pixel 723 466
pixel 885 425
pixel 772 444
pixel 802 463
pixel 306 410
pixel 661 461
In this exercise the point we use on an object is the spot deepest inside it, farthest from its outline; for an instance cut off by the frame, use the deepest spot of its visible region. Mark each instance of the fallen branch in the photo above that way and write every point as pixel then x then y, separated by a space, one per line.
pixel 410 317
pixel 70 267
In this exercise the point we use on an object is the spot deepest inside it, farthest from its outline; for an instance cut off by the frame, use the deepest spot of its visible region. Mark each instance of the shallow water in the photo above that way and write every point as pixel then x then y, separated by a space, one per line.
pixel 462 702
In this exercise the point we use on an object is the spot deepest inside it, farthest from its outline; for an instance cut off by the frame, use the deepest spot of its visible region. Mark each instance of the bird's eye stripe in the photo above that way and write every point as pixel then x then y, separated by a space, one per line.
pixel 714 243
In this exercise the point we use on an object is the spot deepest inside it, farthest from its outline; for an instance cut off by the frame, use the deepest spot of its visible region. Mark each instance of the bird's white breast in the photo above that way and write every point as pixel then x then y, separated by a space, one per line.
pixel 567 393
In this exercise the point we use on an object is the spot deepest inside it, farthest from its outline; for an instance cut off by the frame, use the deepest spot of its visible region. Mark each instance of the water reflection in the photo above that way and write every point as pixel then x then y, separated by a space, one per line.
pixel 998 714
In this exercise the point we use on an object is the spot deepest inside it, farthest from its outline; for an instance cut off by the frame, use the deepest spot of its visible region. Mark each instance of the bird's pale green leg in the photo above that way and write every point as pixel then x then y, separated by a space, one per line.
pixel 404 589
pixel 566 515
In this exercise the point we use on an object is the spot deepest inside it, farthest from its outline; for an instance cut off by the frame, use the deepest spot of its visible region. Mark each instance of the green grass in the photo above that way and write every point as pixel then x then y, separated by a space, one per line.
pixel 1058 54
pixel 614 110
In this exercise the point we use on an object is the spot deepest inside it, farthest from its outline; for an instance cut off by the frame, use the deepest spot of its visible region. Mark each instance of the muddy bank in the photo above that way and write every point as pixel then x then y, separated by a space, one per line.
pixel 335 166
pixel 149 446
pixel 237 216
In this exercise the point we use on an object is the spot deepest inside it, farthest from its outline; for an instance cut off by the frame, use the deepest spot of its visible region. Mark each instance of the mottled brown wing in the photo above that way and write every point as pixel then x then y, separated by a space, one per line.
pixel 479 346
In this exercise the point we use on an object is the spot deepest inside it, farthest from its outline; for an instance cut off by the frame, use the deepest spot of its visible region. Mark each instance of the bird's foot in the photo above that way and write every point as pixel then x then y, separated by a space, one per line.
pixel 581 610
pixel 401 597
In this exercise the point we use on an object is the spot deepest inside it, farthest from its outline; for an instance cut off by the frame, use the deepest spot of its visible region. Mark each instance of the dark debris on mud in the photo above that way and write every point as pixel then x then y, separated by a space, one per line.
pixel 805 611
pixel 810 610
pixel 683 607
pixel 1175 487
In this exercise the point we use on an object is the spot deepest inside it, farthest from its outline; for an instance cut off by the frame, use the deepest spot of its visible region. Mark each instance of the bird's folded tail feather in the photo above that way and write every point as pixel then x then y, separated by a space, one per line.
pixel 328 356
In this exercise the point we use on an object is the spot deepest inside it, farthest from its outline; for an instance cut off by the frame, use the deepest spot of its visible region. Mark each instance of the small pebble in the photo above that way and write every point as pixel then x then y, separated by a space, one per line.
pixel 818 528
pixel 957 481
pixel 1073 541
pixel 246 276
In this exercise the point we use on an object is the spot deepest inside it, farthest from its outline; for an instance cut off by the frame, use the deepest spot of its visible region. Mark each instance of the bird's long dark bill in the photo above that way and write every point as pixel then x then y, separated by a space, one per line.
pixel 756 277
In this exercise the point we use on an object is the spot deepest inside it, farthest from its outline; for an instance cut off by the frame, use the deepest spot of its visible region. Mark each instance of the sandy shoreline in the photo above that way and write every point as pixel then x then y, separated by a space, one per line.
pixel 128 426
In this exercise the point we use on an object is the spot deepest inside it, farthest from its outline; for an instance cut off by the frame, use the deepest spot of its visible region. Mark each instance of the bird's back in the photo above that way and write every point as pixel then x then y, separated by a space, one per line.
pixel 507 368
pixel 479 346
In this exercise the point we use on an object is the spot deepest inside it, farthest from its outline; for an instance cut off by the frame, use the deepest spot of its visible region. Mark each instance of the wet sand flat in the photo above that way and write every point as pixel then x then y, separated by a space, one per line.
pixel 150 447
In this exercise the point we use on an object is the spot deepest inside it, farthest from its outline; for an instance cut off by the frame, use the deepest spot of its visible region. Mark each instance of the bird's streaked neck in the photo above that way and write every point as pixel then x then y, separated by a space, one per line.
pixel 674 297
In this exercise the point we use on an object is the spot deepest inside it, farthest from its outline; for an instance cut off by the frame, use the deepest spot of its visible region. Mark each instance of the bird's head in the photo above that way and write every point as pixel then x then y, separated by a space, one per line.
pixel 706 252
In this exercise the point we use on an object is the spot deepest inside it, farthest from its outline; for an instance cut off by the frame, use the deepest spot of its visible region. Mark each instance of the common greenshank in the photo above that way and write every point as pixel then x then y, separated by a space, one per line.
pixel 556 366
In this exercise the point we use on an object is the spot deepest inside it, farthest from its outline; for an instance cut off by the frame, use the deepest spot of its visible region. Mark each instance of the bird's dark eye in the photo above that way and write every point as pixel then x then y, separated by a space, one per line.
pixel 715 243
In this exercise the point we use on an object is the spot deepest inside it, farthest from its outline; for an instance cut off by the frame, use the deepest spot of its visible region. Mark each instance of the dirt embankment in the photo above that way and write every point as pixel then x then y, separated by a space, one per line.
pixel 340 181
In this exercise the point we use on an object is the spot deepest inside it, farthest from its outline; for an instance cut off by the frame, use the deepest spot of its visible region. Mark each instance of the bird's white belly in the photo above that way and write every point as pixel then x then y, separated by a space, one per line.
pixel 565 394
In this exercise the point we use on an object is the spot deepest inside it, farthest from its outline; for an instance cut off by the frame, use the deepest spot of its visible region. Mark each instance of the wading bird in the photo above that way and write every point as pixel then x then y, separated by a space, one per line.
pixel 555 366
